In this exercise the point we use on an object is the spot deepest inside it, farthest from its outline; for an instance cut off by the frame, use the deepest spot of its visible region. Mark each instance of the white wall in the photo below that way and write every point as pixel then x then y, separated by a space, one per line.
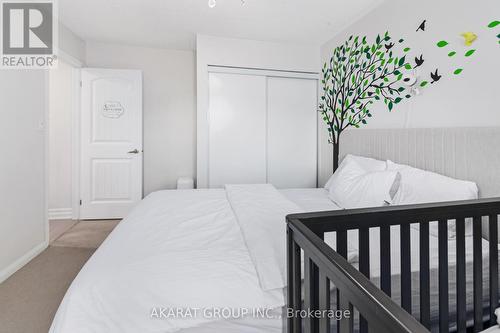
pixel 60 140
pixel 241 53
pixel 23 233
pixel 169 107
pixel 70 44
pixel 470 99
pixel 24 97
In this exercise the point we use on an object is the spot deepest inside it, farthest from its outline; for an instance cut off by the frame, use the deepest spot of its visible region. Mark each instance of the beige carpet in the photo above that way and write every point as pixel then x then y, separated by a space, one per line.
pixel 86 234
pixel 59 227
pixel 29 299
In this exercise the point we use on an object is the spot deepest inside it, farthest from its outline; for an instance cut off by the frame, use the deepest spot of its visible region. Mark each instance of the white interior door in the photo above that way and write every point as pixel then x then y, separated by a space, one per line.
pixel 111 142
pixel 237 129
pixel 292 132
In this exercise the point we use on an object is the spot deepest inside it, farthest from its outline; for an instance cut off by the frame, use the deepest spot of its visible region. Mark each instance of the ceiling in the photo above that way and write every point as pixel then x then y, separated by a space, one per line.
pixel 175 23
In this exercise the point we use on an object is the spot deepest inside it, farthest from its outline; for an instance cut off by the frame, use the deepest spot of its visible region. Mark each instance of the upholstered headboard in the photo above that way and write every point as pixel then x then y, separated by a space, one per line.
pixel 462 153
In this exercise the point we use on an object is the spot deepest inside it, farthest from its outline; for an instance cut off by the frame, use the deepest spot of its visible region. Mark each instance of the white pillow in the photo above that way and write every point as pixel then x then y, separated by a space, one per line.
pixel 366 163
pixel 353 187
pixel 419 186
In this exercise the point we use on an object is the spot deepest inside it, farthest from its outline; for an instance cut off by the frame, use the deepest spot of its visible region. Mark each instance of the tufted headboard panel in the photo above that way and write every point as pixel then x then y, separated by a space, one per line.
pixel 462 153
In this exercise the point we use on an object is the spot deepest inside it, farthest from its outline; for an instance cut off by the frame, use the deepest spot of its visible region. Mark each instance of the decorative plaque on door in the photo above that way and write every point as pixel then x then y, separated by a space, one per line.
pixel 112 109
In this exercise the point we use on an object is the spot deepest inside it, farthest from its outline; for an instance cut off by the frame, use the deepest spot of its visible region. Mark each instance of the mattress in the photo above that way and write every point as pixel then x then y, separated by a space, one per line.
pixel 186 249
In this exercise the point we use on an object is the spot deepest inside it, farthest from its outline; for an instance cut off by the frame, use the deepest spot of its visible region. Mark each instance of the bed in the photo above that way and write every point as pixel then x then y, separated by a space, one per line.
pixel 219 249
pixel 184 249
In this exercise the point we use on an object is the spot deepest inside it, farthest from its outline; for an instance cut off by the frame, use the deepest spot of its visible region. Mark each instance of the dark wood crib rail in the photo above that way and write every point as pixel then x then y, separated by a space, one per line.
pixel 324 266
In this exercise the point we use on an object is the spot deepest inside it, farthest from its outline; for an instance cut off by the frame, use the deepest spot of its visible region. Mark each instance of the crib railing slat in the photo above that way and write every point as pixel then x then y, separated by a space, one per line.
pixel 342 250
pixel 493 243
pixel 461 300
pixel 297 291
pixel 290 257
pixel 385 259
pixel 342 243
pixel 307 291
pixel 443 275
pixel 310 292
pixel 477 274
pixel 364 267
pixel 405 267
pixel 345 324
pixel 324 302
pixel 364 251
pixel 425 303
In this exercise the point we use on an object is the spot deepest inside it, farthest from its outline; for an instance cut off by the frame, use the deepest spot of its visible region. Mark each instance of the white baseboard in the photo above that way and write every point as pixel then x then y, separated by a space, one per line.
pixel 19 263
pixel 60 214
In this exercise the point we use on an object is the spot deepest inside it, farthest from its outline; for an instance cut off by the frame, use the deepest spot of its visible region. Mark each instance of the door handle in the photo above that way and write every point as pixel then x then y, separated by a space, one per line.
pixel 135 151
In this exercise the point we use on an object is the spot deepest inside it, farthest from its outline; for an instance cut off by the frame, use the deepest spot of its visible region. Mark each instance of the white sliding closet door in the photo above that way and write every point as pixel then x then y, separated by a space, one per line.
pixel 292 132
pixel 237 129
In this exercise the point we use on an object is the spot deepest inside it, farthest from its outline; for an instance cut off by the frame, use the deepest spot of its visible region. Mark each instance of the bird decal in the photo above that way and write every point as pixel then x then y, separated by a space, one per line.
pixel 419 61
pixel 421 26
pixel 389 46
pixel 469 37
pixel 435 76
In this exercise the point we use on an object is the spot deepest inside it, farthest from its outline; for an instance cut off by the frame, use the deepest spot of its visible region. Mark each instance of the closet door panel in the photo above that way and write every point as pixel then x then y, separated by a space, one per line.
pixel 237 129
pixel 292 132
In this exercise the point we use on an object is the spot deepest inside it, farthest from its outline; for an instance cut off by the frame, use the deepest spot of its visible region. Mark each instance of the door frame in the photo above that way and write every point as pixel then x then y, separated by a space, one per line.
pixel 75 138
pixel 75 131
pixel 76 65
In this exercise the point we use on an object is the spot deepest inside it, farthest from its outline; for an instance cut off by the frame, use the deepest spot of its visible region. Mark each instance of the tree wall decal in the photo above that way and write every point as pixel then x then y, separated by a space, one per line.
pixel 358 75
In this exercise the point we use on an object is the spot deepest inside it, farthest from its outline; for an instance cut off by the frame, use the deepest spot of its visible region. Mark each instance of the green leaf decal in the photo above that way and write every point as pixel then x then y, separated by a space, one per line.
pixel 408 66
pixel 498 35
pixel 458 71
pixel 390 105
pixel 452 53
pixel 493 24
pixel 401 40
pixel 442 43
pixel 423 83
pixel 469 53
pixel 406 49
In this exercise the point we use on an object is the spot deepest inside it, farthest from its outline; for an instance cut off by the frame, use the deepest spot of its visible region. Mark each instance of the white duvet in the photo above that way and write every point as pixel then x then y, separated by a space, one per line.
pixel 177 249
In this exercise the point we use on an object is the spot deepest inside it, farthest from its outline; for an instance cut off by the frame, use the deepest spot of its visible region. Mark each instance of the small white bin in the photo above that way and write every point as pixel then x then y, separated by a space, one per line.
pixel 185 183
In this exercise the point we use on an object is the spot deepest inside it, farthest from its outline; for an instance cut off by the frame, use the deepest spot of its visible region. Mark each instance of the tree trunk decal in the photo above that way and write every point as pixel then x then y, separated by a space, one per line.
pixel 336 153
